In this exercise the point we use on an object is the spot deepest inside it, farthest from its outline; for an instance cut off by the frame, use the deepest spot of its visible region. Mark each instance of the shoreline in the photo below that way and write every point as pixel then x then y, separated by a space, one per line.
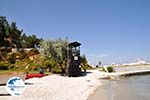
pixel 130 88
pixel 56 87
pixel 102 92
pixel 103 95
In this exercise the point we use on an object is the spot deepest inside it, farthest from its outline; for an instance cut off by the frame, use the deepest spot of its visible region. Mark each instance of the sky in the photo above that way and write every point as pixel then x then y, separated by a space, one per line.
pixel 110 31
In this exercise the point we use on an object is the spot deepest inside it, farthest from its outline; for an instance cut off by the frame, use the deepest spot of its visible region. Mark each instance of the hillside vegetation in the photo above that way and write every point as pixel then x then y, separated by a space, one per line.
pixel 49 54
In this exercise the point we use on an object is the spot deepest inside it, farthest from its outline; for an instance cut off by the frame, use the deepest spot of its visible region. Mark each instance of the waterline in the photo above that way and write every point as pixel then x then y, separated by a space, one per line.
pixel 129 88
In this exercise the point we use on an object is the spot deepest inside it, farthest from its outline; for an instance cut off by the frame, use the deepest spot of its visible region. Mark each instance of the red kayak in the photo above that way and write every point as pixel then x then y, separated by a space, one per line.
pixel 38 75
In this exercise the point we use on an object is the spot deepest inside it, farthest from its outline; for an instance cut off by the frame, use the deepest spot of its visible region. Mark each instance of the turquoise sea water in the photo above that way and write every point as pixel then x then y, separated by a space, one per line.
pixel 129 88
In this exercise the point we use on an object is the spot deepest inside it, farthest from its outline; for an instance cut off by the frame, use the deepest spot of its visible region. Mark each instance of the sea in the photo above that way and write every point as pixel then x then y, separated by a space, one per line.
pixel 128 88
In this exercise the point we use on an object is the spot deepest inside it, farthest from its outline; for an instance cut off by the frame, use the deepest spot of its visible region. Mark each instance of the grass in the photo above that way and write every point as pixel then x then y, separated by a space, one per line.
pixel 2 72
pixel 8 72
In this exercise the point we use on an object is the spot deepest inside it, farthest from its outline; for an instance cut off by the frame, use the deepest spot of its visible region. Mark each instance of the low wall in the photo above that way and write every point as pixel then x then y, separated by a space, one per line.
pixel 5 78
pixel 127 71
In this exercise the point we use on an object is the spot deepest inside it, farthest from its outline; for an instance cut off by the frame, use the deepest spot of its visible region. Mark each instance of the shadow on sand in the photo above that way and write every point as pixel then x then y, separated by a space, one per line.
pixel 82 74
pixel 2 84
pixel 5 94
pixel 25 84
pixel 85 73
pixel 29 84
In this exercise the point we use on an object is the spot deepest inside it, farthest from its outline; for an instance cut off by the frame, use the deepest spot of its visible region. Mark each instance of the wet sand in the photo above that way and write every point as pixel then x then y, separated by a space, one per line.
pixel 111 91
pixel 100 92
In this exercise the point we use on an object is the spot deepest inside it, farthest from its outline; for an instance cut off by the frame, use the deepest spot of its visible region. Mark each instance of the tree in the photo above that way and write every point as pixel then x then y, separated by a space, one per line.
pixel 14 36
pixel 55 52
pixel 84 63
pixel 54 49
pixel 9 33
pixel 30 41
pixel 11 36
pixel 4 26
pixel 84 59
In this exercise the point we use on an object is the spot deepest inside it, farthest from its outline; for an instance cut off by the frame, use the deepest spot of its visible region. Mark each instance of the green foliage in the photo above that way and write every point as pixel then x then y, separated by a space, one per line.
pixel 6 66
pixel 11 57
pixel 30 41
pixel 47 63
pixel 110 69
pixel 33 52
pixel 84 59
pixel 12 67
pixel 3 30
pixel 11 36
pixel 85 66
pixel 54 65
pixel 54 52
pixel 3 66
pixel 54 49
pixel 84 63
pixel 9 33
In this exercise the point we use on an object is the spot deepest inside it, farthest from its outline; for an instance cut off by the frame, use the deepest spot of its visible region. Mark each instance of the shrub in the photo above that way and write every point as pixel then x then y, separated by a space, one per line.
pixel 55 67
pixel 12 67
pixel 110 69
pixel 33 52
pixel 11 57
pixel 12 61
pixel 47 63
pixel 3 66
pixel 85 67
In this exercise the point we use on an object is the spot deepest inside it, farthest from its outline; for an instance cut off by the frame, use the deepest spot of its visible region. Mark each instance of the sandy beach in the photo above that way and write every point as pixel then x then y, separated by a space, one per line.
pixel 56 87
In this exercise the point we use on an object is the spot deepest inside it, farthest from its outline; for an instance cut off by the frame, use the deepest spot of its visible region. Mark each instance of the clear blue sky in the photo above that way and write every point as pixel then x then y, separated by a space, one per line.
pixel 111 31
